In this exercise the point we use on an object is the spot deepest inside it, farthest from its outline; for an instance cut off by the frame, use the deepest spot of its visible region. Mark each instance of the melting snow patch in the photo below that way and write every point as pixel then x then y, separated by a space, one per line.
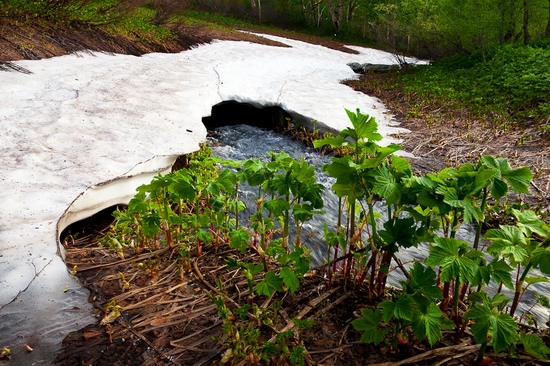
pixel 76 122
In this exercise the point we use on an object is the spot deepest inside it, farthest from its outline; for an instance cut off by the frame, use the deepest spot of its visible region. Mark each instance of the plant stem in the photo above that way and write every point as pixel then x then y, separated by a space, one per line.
pixel 519 290
pixel 382 276
pixel 349 261
pixel 237 204
pixel 481 353
pixel 455 303
pixel 446 297
pixel 372 275
pixel 479 224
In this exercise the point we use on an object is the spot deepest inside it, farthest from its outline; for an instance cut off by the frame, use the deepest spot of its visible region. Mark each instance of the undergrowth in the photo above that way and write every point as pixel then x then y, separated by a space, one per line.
pixel 510 83
pixel 198 208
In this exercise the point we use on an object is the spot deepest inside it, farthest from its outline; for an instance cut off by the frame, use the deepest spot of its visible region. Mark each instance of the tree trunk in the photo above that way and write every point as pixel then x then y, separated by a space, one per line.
pixel 526 36
pixel 508 16
pixel 352 5
pixel 336 13
pixel 260 11
pixel 547 33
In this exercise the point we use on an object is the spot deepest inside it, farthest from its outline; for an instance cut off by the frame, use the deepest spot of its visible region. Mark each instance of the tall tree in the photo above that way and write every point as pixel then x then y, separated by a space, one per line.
pixel 526 35
pixel 336 10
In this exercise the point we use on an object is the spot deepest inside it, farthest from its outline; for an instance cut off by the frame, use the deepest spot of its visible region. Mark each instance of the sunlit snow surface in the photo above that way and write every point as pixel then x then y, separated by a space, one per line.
pixel 79 121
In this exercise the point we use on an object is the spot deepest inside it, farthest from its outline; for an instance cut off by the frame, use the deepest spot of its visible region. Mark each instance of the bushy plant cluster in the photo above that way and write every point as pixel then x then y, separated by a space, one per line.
pixel 199 208
pixel 510 81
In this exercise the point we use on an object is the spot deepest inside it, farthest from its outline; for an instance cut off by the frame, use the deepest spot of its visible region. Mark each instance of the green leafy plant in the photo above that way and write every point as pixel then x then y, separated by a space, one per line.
pixel 414 307
pixel 198 208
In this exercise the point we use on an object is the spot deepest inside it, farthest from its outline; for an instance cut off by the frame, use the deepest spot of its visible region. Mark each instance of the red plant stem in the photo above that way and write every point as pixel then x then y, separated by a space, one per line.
pixel 446 297
pixel 199 248
pixel 382 276
pixel 463 290
pixel 519 282
pixel 364 274
pixel 348 264
pixel 335 258
pixel 168 235
pixel 372 276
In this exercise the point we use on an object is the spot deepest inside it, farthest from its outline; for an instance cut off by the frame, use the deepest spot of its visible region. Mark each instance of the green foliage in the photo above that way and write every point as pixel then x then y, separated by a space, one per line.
pixel 510 81
pixel 243 339
pixel 489 321
pixel 534 345
pixel 199 207
pixel 369 323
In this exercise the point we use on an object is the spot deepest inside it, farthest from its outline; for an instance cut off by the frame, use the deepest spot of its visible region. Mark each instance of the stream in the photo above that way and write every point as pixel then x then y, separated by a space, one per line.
pixel 241 142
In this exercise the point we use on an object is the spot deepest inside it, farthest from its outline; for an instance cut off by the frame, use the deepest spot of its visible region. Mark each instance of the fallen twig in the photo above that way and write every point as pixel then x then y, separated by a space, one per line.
pixel 437 352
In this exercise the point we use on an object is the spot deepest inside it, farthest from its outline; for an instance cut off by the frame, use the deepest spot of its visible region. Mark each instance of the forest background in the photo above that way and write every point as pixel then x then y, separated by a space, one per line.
pixel 427 28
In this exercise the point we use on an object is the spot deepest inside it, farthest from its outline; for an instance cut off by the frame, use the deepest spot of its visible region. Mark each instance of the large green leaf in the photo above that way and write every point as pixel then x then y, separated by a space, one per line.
pixel 239 238
pixel 501 272
pixel 364 125
pixel 483 179
pixel 519 179
pixel 290 279
pixel 502 327
pixel 270 283
pixel 529 222
pixel 506 233
pixel 444 248
pixel 503 331
pixel 535 279
pixel 332 141
pixel 151 224
pixel 427 323
pixel 385 185
pixel 507 241
pixel 301 260
pixel 447 253
pixel 400 231
pixel 277 206
pixel 455 267
pixel 422 282
pixel 402 308
pixel 255 172
pixel 534 345
pixel 499 189
pixel 348 181
pixel 139 204
pixel 401 165
pixel 370 325
pixel 450 197
pixel 184 188
pixel 381 154
pixel 541 259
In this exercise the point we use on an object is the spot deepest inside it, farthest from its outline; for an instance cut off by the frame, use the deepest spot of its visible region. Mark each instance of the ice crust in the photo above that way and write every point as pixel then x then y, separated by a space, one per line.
pixel 82 131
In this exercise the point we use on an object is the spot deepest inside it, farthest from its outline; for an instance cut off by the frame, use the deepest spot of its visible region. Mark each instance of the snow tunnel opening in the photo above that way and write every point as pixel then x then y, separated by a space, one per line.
pixel 231 112
pixel 97 224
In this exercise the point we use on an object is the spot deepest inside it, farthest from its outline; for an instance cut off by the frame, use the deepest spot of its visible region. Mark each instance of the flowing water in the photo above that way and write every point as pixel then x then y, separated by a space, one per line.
pixel 241 142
